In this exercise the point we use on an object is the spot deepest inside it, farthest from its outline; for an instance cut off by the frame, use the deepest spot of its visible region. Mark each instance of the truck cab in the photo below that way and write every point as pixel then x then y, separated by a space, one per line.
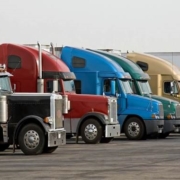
pixel 32 121
pixel 37 70
pixel 97 74
pixel 165 77
pixel 140 86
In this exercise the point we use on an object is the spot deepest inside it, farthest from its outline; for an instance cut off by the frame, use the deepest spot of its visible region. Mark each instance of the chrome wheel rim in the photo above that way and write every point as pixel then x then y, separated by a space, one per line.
pixel 90 131
pixel 133 129
pixel 31 139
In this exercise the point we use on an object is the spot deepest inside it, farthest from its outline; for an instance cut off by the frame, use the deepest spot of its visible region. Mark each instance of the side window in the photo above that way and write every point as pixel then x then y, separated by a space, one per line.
pixel 78 62
pixel 107 85
pixel 77 86
pixel 110 86
pixel 49 86
pixel 14 62
pixel 167 87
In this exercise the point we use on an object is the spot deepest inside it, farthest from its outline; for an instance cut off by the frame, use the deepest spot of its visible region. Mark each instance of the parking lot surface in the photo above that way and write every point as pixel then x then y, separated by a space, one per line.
pixel 157 159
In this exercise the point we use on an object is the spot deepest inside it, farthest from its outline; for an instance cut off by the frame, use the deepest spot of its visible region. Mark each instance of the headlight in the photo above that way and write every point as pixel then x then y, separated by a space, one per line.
pixel 171 116
pixel 155 116
pixel 105 117
pixel 48 120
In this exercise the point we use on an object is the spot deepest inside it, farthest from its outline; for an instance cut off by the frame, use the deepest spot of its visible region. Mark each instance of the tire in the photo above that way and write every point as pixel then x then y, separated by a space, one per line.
pixel 91 131
pixel 31 139
pixel 163 135
pixel 134 129
pixel 50 149
pixel 106 140
pixel 3 147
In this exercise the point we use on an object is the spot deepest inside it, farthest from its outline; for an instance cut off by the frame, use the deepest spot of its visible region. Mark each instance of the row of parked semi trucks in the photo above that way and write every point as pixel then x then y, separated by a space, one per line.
pixel 89 93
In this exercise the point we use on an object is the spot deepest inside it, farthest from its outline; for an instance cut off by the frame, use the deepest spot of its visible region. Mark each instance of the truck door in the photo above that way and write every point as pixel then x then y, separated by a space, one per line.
pixel 170 88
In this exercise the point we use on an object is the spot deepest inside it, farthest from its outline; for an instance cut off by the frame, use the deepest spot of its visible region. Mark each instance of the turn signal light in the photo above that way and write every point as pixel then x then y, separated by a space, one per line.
pixel 48 120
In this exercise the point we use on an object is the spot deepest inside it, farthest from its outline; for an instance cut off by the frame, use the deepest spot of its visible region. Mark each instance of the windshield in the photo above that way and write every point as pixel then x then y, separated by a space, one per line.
pixel 69 86
pixel 5 84
pixel 126 86
pixel 144 87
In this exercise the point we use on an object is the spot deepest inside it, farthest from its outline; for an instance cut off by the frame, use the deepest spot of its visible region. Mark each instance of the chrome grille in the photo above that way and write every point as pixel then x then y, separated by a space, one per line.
pixel 178 111
pixel 161 111
pixel 3 109
pixel 113 110
pixel 58 114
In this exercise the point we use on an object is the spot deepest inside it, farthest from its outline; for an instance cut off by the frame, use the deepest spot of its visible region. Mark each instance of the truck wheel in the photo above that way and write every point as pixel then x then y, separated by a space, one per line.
pixel 106 140
pixel 50 149
pixel 3 147
pixel 91 131
pixel 31 139
pixel 134 129
pixel 163 135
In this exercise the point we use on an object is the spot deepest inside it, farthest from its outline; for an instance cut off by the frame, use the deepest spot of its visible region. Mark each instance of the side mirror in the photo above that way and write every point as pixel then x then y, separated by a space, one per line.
pixel 14 88
pixel 113 87
pixel 172 87
pixel 55 86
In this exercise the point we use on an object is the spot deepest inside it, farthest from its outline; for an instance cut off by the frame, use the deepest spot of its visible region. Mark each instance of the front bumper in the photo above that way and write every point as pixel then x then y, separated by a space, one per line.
pixel 171 125
pixel 112 130
pixel 154 126
pixel 56 138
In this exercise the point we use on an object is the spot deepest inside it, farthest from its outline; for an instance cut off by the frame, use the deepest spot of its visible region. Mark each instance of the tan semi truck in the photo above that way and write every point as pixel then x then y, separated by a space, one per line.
pixel 165 77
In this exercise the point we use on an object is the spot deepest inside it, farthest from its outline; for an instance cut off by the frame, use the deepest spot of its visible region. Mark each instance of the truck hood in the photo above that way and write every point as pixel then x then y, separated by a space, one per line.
pixel 164 100
pixel 142 103
pixel 169 105
pixel 81 104
pixel 87 97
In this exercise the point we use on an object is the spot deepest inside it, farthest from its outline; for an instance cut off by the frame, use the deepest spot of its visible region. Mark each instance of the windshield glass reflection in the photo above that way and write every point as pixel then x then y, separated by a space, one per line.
pixel 144 87
pixel 126 86
pixel 69 86
pixel 5 84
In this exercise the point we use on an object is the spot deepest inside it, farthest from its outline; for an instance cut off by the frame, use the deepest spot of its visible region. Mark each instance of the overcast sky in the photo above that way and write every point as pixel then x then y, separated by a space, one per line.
pixel 139 25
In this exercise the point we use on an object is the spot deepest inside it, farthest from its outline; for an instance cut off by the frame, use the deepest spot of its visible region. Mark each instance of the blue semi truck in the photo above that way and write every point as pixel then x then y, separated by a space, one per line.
pixel 141 86
pixel 97 74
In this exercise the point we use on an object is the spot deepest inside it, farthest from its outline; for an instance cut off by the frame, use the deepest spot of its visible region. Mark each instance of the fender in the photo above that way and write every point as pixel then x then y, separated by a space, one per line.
pixel 100 116
pixel 38 119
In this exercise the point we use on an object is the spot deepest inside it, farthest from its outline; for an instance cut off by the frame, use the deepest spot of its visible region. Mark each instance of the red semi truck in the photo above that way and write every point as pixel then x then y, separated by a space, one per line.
pixel 35 70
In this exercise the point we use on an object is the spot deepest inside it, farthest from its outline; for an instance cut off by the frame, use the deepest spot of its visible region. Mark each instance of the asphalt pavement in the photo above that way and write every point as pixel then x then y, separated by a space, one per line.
pixel 121 159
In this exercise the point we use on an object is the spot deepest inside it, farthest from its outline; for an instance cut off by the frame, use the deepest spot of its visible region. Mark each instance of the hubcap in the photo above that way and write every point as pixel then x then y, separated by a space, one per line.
pixel 133 129
pixel 31 139
pixel 90 131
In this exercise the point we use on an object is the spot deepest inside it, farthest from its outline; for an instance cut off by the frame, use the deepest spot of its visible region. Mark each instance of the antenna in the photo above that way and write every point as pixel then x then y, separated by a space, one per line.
pixel 172 60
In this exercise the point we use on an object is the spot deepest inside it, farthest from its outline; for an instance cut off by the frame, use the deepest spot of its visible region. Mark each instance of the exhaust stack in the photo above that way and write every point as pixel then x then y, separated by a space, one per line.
pixel 52 48
pixel 40 81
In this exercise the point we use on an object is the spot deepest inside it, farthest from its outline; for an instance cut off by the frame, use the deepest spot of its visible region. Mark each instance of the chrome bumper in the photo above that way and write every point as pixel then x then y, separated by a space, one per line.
pixel 56 138
pixel 112 130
